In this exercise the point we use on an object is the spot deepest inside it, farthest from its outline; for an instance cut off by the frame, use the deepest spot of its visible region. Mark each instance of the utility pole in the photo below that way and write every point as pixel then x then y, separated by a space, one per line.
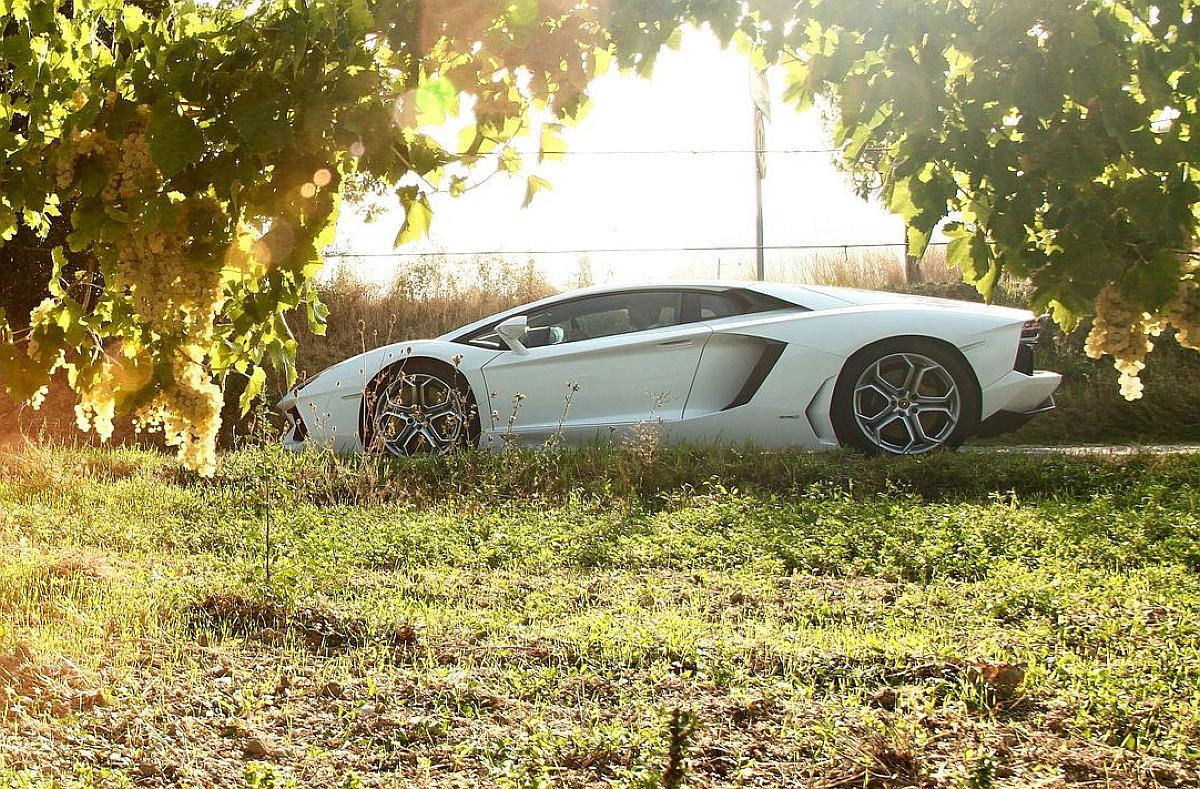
pixel 760 94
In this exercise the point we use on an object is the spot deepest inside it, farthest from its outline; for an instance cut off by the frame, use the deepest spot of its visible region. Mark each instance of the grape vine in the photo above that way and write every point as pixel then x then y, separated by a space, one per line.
pixel 199 153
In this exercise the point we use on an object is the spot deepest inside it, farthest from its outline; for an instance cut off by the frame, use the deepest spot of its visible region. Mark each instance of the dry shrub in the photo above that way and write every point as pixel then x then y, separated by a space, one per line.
pixel 318 626
pixel 89 566
pixel 868 269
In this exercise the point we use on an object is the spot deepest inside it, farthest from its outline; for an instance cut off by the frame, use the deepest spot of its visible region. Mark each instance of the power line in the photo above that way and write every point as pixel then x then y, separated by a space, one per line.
pixel 690 152
pixel 616 250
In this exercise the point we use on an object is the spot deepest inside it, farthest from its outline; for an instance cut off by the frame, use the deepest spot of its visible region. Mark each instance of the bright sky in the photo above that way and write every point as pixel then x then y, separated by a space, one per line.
pixel 697 100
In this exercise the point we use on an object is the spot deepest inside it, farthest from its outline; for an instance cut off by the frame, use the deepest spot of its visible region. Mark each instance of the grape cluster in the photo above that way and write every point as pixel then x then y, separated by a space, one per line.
pixel 97 402
pixel 170 293
pixel 173 296
pixel 131 170
pixel 80 145
pixel 1122 331
pixel 1184 314
pixel 134 172
pixel 188 411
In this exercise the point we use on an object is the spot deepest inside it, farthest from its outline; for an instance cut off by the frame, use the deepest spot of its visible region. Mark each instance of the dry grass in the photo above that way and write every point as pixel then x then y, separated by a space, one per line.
pixel 872 269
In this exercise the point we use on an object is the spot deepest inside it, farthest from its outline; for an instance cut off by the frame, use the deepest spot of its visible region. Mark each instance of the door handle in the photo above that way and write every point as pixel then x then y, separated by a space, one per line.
pixel 685 342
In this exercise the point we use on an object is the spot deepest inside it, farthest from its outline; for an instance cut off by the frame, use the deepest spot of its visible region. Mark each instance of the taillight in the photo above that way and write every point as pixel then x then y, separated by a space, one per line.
pixel 1031 332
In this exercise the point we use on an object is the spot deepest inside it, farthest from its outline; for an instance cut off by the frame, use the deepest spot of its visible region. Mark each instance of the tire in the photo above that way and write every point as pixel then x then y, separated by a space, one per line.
pixel 906 396
pixel 416 407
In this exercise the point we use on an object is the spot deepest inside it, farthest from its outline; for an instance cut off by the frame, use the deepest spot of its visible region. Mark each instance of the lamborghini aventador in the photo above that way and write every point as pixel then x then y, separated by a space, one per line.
pixel 749 363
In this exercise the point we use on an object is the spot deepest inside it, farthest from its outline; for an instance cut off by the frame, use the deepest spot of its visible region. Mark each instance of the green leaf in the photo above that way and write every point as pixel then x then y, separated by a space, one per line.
pixel 8 222
pixel 958 251
pixel 1063 315
pixel 133 18
pixel 417 216
pixel 522 13
pixel 59 262
pixel 175 142
pixel 601 61
pixel 254 387
pixel 316 312
pixel 20 376
pixel 918 240
pixel 533 185
pixel 898 195
pixel 254 113
pixel 436 99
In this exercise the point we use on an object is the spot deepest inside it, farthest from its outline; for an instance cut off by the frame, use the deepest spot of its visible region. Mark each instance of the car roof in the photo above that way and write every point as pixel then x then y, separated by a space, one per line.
pixel 799 295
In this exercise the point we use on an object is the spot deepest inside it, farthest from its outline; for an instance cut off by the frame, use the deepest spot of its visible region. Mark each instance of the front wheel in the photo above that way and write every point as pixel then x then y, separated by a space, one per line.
pixel 905 398
pixel 414 409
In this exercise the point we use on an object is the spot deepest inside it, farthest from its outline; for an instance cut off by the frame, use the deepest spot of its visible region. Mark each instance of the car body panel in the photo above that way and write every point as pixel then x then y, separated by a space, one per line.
pixel 609 380
pixel 766 377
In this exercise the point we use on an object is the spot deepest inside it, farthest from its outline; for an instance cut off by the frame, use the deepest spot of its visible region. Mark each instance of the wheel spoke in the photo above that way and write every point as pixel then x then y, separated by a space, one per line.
pixel 881 383
pixel 392 402
pixel 880 423
pixel 873 387
pixel 445 408
pixel 916 431
pixel 435 441
pixel 399 445
pixel 946 404
pixel 916 371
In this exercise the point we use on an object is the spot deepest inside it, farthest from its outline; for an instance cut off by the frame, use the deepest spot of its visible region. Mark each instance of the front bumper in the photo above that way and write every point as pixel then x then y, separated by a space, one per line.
pixel 297 431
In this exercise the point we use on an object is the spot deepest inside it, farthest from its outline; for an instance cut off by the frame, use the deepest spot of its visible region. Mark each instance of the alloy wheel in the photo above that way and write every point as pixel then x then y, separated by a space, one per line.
pixel 907 403
pixel 419 413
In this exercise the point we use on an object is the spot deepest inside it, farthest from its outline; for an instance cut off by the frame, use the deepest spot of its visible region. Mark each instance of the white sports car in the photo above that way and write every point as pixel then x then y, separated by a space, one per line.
pixel 762 363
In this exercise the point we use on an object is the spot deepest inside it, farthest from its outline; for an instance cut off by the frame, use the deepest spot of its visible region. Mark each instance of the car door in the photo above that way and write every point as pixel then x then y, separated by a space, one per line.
pixel 598 361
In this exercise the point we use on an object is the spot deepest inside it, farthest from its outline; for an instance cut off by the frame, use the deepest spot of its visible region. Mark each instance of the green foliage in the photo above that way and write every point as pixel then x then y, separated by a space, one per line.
pixel 200 151
pixel 1061 135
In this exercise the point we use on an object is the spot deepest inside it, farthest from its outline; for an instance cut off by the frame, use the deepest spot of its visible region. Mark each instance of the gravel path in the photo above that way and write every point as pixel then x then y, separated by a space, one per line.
pixel 1094 449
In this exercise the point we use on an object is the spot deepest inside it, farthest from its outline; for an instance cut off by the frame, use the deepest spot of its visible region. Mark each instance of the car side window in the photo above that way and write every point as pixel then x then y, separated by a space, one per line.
pixel 603 316
pixel 719 305
pixel 730 303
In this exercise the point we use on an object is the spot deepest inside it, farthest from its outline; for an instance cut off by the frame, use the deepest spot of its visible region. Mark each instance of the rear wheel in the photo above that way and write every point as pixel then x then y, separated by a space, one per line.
pixel 415 408
pixel 905 397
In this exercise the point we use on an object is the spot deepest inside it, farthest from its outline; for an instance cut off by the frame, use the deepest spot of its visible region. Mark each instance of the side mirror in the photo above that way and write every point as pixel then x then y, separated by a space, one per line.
pixel 512 331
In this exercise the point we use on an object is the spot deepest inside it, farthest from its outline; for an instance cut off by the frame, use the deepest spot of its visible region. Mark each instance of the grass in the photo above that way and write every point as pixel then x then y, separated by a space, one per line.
pixel 698 617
